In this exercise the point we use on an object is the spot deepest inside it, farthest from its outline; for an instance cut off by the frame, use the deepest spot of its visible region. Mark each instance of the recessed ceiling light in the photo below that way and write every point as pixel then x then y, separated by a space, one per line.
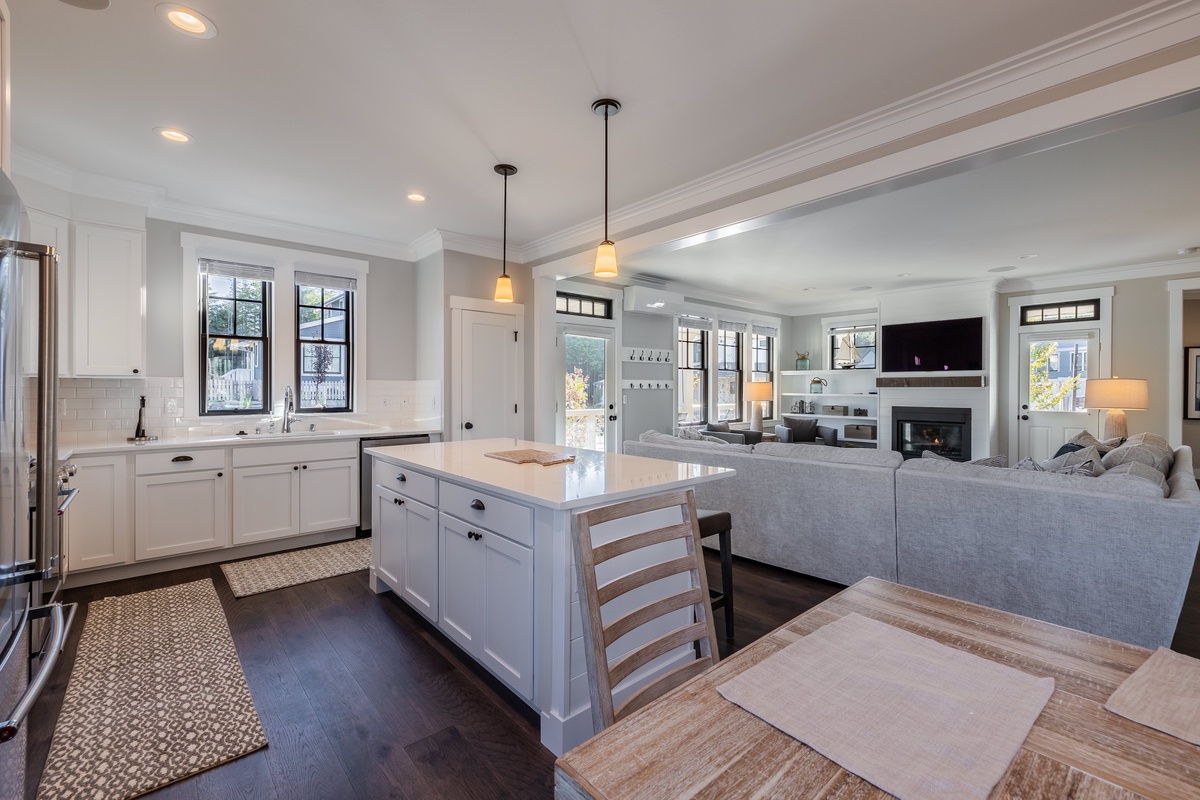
pixel 903 274
pixel 417 197
pixel 860 289
pixel 1029 255
pixel 187 20
pixel 1189 251
pixel 1001 269
pixel 173 135
pixel 809 288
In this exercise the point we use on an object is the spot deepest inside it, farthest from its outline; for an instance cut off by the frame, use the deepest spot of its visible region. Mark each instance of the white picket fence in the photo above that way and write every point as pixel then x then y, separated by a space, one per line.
pixel 229 391
pixel 325 394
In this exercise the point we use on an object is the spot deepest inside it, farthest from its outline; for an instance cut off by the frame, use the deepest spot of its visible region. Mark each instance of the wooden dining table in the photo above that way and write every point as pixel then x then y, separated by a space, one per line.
pixel 693 742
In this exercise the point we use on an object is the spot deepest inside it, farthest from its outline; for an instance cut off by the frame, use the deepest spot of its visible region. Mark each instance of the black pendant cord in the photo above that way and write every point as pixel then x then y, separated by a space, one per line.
pixel 504 246
pixel 606 173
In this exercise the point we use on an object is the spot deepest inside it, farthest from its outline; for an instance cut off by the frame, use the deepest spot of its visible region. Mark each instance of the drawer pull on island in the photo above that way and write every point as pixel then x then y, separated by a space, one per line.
pixel 181 458
pixel 397 501
pixel 474 535
pixel 402 477
pixel 477 504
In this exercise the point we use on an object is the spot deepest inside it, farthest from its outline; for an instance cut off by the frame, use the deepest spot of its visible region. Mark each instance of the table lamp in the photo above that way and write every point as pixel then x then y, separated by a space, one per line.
pixel 756 393
pixel 1116 395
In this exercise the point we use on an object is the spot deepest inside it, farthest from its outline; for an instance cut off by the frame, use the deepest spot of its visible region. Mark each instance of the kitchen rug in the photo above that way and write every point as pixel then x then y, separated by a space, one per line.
pixel 156 694
pixel 297 566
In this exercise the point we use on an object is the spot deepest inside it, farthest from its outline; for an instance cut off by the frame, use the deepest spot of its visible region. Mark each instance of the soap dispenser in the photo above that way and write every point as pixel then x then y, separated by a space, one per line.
pixel 139 433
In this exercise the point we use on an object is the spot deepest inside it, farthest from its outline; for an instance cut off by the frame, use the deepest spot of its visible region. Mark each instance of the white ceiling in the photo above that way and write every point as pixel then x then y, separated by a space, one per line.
pixel 325 115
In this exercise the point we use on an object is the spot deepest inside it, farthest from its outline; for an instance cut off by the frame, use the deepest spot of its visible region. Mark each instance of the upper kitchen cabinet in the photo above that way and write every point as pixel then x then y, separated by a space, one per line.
pixel 40 227
pixel 109 313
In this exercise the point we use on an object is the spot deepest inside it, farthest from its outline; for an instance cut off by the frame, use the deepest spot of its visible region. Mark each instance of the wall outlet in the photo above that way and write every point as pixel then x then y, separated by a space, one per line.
pixel 404 402
pixel 172 406
pixel 385 402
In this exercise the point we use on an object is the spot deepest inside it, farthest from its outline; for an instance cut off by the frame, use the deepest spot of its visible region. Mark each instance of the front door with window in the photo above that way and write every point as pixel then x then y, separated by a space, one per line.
pixel 1054 370
pixel 589 412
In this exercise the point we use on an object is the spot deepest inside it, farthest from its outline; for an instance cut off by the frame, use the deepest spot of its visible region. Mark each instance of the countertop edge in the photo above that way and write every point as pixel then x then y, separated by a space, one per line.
pixel 231 440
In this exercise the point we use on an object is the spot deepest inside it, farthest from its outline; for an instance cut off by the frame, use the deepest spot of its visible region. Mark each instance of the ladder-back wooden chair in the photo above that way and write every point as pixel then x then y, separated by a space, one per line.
pixel 598 636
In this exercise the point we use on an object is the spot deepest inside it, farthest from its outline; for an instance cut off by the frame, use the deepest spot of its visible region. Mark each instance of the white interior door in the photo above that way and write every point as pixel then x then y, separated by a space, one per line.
pixel 1054 368
pixel 488 381
pixel 587 405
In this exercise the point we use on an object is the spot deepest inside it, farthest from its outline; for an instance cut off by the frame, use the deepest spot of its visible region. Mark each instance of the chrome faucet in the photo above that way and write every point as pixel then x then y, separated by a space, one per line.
pixel 289 405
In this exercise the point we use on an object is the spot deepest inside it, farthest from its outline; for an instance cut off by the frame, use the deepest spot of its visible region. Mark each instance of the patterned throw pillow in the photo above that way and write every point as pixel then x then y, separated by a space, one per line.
pixel 1000 460
pixel 719 427
pixel 1065 462
pixel 1146 448
pixel 1083 468
pixel 1085 439
pixel 693 435
pixel 1137 479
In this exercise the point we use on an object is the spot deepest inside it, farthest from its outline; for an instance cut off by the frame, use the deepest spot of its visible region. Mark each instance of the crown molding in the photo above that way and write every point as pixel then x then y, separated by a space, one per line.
pixel 1150 28
pixel 54 173
pixel 1155 269
pixel 437 240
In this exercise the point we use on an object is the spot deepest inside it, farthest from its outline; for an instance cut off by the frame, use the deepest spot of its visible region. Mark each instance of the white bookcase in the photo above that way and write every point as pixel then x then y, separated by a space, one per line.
pixel 854 388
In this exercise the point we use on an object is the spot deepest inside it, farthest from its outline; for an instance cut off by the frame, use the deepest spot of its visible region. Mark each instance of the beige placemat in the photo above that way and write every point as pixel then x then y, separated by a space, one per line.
pixel 914 717
pixel 1163 694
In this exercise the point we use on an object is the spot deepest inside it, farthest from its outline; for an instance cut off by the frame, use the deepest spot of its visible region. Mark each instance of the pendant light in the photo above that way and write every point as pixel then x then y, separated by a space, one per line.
pixel 504 292
pixel 606 253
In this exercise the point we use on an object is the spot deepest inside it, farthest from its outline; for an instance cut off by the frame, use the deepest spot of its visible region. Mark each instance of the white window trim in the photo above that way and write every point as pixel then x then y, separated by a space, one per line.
pixel 286 263
pixel 1102 293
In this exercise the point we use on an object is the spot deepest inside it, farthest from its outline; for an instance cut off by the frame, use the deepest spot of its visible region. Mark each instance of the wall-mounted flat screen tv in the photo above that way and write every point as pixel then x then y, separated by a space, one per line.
pixel 944 345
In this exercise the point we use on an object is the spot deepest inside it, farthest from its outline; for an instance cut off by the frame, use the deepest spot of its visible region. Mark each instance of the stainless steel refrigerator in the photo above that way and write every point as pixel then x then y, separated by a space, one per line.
pixel 33 492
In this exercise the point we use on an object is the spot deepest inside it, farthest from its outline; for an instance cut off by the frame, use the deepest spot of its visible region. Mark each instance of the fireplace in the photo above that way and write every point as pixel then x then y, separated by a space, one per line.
pixel 944 431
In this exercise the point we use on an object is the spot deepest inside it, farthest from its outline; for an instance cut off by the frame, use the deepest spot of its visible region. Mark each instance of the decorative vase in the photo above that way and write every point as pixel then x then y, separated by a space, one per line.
pixel 817 386
pixel 802 363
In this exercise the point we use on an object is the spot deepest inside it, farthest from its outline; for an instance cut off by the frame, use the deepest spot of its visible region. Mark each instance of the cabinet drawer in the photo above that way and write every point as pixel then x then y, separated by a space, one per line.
pixel 178 461
pixel 255 455
pixel 408 482
pixel 497 514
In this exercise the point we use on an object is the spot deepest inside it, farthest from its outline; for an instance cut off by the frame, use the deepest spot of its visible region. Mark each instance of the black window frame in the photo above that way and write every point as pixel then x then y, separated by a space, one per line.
pixel 682 347
pixel 348 343
pixel 265 339
pixel 724 358
pixel 604 302
pixel 767 374
pixel 1094 303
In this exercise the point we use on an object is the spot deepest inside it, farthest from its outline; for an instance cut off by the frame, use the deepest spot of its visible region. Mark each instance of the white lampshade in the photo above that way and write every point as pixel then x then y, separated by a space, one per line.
pixel 1127 394
pixel 504 293
pixel 606 260
pixel 757 391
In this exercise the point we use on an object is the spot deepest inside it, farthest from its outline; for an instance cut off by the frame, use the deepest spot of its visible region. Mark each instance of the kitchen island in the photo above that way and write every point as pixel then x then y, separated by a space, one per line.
pixel 482 548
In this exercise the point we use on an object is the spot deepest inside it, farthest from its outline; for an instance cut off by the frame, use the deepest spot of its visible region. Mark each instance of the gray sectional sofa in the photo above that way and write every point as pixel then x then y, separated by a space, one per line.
pixel 1104 555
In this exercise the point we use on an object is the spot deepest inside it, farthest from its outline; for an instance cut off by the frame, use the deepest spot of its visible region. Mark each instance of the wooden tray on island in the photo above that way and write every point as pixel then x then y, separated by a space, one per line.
pixel 543 457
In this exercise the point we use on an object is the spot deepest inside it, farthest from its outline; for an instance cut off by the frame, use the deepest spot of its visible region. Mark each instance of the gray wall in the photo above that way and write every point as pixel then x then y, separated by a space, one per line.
pixel 643 409
pixel 390 303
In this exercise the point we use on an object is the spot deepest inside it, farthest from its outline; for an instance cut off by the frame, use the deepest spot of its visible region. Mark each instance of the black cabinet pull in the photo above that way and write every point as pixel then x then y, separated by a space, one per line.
pixel 135 372
pixel 181 458
pixel 220 474
pixel 402 477
pixel 477 504
pixel 305 466
pixel 473 535
pixel 296 468
pixel 397 501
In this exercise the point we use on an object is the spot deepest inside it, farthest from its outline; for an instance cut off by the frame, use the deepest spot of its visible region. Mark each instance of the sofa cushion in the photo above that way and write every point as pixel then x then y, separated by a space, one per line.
pixel 1146 448
pixel 693 435
pixel 720 427
pixel 803 430
pixel 1000 460
pixel 834 455
pixel 1136 480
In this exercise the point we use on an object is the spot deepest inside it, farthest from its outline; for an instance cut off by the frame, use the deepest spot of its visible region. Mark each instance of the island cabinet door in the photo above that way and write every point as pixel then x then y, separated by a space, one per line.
pixel 419 570
pixel 461 567
pixel 388 537
pixel 506 647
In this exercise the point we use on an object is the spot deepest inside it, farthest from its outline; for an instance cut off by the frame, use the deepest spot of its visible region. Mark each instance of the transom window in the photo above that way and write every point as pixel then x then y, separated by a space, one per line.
pixel 324 338
pixel 235 338
pixel 692 371
pixel 583 306
pixel 729 375
pixel 1051 313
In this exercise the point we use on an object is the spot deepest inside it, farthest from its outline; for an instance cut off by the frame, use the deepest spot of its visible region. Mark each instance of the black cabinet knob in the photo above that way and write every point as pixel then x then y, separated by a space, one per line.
pixel 295 468
pixel 305 466
pixel 135 372
pixel 397 501
pixel 477 504
pixel 220 474
pixel 402 477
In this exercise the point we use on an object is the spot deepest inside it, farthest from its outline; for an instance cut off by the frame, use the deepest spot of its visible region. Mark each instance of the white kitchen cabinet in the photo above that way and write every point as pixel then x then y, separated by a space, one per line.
pixel 294 489
pixel 181 513
pixel 52 230
pixel 266 502
pixel 98 528
pixel 486 595
pixel 107 298
pixel 328 494
pixel 406 533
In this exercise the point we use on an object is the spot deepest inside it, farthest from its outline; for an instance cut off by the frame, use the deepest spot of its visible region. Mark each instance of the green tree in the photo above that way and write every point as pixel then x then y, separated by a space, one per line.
pixel 576 398
pixel 1044 393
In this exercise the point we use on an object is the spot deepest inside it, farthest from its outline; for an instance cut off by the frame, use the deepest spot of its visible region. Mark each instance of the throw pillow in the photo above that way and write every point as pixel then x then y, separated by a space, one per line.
pixel 693 435
pixel 719 427
pixel 1145 448
pixel 803 430
pixel 1029 465
pixel 1087 440
pixel 1069 447
pixel 1074 458
pixel 991 461
pixel 1137 479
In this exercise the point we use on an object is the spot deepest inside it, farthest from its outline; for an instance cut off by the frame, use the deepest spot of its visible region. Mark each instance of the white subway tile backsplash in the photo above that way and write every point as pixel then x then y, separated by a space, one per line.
pixel 118 392
pixel 87 391
pixel 89 413
pixel 106 383
pixel 106 402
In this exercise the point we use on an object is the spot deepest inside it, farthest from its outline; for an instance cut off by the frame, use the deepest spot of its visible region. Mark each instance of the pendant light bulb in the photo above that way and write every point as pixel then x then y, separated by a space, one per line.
pixel 504 290
pixel 606 253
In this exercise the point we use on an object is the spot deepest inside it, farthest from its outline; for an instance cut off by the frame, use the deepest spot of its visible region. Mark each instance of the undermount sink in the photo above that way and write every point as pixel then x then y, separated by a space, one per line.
pixel 281 435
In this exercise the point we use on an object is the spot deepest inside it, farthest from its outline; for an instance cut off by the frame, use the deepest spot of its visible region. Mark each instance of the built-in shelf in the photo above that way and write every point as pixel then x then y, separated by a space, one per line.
pixel 828 394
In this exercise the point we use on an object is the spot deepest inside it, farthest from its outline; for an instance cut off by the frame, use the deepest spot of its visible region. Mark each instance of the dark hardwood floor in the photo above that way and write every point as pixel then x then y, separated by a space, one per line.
pixel 361 697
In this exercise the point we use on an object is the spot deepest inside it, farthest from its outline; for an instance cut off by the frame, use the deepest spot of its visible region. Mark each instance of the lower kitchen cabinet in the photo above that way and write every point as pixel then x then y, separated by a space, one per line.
pixel 486 596
pixel 291 490
pixel 98 520
pixel 266 502
pixel 328 494
pixel 406 533
pixel 181 513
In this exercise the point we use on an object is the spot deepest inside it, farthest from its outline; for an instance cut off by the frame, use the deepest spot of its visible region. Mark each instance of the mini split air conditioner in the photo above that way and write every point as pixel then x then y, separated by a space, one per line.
pixel 648 300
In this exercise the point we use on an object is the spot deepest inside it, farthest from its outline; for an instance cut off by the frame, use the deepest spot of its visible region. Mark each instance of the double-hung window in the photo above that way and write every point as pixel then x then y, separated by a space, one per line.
pixel 729 370
pixel 324 341
pixel 692 371
pixel 235 341
pixel 762 361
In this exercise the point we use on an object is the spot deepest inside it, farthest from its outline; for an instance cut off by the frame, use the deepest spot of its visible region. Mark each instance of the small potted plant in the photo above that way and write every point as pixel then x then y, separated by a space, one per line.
pixel 802 361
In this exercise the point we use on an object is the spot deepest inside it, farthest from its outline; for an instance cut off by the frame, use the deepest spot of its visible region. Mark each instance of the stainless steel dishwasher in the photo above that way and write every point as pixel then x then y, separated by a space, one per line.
pixel 365 506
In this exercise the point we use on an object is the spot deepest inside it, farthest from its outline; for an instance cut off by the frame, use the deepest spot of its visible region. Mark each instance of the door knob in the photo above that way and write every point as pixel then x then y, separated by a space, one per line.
pixel 1024 416
pixel 1025 407
pixel 468 425
pixel 612 417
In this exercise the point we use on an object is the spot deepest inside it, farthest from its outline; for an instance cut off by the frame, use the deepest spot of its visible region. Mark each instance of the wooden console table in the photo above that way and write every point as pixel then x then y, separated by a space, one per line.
pixel 693 742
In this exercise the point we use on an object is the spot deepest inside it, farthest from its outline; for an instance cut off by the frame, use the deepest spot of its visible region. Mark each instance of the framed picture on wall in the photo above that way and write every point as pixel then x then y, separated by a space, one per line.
pixel 1191 383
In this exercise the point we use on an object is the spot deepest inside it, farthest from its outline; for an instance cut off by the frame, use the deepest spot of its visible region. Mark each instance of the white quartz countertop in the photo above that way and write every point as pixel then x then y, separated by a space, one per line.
pixel 593 478
pixel 227 440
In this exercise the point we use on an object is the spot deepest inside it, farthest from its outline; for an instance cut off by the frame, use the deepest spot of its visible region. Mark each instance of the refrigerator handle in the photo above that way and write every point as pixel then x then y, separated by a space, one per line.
pixel 58 638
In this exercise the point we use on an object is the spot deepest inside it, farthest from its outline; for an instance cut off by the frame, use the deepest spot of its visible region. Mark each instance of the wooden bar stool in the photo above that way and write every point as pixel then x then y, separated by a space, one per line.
pixel 720 523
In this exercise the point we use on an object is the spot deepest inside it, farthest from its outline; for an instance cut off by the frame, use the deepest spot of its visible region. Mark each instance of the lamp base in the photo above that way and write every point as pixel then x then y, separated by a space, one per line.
pixel 756 417
pixel 1115 425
